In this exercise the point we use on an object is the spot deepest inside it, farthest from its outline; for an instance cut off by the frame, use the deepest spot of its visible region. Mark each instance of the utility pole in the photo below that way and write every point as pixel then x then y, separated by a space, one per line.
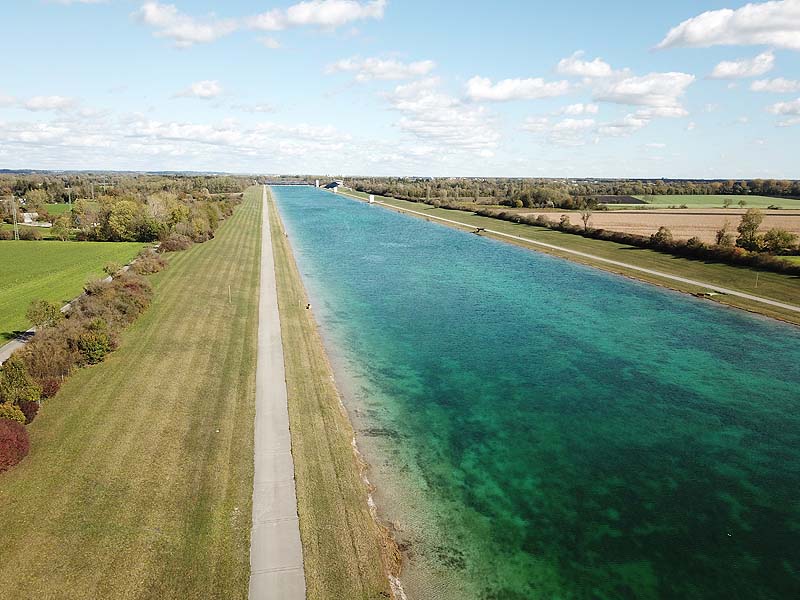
pixel 92 191
pixel 14 216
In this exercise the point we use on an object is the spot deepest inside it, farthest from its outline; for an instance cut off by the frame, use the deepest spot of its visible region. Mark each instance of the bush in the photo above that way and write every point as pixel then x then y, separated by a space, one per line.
pixel 95 343
pixel 50 387
pixel 14 443
pixel 29 233
pixel 6 234
pixel 111 268
pixel 16 384
pixel 30 410
pixel 175 242
pixel 42 313
pixel 149 263
pixel 11 412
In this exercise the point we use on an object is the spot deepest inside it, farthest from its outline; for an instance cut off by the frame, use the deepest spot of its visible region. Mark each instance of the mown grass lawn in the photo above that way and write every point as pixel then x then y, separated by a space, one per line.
pixel 58 209
pixel 50 270
pixel 139 480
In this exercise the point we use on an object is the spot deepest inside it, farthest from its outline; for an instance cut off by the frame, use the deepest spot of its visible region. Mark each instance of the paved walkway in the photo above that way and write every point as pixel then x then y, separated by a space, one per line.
pixel 276 555
pixel 616 263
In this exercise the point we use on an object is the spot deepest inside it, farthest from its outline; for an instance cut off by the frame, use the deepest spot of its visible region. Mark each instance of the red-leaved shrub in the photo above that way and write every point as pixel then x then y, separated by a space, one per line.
pixel 14 443
pixel 29 409
pixel 50 387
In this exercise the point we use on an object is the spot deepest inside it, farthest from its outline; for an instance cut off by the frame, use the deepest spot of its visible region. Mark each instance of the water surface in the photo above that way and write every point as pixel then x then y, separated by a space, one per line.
pixel 541 429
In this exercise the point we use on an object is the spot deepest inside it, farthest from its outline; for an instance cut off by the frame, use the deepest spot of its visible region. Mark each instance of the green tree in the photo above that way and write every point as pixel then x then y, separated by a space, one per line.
pixel 123 220
pixel 61 227
pixel 724 236
pixel 42 313
pixel 16 385
pixel 748 229
pixel 661 237
pixel 778 241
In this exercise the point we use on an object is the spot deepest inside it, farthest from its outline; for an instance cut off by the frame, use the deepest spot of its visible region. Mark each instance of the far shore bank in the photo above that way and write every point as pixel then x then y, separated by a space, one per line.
pixel 606 253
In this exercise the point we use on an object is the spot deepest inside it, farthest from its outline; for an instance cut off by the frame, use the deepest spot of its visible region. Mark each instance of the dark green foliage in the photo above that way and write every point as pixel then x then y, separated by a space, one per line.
pixel 16 385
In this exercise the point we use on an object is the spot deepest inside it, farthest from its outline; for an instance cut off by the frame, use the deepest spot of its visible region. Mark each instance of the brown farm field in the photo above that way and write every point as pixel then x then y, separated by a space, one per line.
pixel 684 223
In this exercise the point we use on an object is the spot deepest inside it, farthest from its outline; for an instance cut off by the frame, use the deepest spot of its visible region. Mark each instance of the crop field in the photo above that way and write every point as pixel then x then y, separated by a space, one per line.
pixel 683 223
pixel 717 201
pixel 139 481
pixel 53 271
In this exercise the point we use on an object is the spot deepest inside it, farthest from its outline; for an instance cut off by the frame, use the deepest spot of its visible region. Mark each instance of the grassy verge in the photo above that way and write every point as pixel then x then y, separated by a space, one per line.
pixel 54 271
pixel 783 288
pixel 344 550
pixel 139 481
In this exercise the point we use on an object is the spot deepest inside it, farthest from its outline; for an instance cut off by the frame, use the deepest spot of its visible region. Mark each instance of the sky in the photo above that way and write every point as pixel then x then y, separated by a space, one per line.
pixel 680 89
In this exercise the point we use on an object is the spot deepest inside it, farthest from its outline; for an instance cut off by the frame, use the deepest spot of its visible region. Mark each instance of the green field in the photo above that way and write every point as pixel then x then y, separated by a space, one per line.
pixel 715 201
pixel 54 271
pixel 58 209
pixel 344 552
pixel 784 288
pixel 139 481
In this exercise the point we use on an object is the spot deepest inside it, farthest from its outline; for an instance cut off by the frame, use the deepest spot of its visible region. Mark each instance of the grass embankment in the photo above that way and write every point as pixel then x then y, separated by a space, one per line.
pixel 139 482
pixel 58 209
pixel 346 554
pixel 783 288
pixel 53 271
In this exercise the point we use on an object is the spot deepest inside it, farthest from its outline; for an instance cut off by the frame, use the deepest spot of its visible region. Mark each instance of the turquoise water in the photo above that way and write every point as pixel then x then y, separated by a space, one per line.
pixel 540 429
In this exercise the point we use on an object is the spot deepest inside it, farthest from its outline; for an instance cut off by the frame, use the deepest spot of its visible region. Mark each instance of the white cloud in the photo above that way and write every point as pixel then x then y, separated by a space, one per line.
pixel 577 66
pixel 254 108
pixel 655 145
pixel 270 42
pixel 789 122
pixel 482 88
pixel 786 108
pixel 320 13
pixel 776 86
pixel 575 110
pixel 745 67
pixel 691 126
pixel 205 90
pixel 661 91
pixel 41 103
pixel 183 29
pixel 536 124
pixel 628 125
pixel 566 132
pixel 775 23
pixel 375 68
pixel 443 121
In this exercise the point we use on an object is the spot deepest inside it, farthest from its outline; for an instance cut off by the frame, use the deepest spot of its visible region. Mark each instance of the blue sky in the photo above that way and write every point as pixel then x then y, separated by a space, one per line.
pixel 403 87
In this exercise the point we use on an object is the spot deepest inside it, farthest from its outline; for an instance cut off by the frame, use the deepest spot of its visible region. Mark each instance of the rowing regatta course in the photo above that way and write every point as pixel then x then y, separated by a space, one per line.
pixel 541 429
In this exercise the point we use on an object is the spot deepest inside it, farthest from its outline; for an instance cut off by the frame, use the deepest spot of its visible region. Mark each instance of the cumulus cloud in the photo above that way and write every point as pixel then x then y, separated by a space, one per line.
pixel 580 109
pixel 660 91
pixel 270 42
pixel 205 90
pixel 789 109
pixel 745 67
pixel 42 103
pixel 575 65
pixel 778 85
pixel 320 13
pixel 775 24
pixel 375 68
pixel 624 127
pixel 183 29
pixel 442 121
pixel 482 88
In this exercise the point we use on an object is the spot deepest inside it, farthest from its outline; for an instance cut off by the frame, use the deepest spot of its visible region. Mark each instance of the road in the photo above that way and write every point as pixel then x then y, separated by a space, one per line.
pixel 276 554
pixel 616 263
